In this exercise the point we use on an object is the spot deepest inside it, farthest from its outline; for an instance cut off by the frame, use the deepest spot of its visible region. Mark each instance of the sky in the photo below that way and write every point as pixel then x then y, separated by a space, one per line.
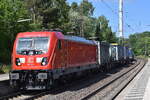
pixel 136 14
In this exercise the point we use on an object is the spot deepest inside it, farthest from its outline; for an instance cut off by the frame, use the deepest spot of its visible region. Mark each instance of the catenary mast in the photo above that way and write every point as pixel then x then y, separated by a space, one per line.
pixel 121 35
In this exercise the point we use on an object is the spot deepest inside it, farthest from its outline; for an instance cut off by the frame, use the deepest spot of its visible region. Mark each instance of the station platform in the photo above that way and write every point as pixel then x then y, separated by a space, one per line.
pixel 139 87
pixel 4 77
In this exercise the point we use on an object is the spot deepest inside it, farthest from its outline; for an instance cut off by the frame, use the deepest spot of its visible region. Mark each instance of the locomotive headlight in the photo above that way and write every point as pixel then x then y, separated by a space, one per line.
pixel 18 63
pixel 44 61
pixel 22 60
pixel 39 60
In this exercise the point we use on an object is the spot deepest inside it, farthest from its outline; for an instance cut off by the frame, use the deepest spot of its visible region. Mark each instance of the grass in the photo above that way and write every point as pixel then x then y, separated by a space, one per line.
pixel 5 68
pixel 142 56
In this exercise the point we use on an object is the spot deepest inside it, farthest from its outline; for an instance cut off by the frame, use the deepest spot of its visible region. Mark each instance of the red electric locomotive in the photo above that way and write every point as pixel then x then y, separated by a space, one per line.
pixel 39 58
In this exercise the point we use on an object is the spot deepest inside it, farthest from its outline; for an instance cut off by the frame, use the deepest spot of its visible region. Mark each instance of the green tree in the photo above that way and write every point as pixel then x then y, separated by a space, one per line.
pixel 140 42
pixel 10 12
pixel 106 33
pixel 86 8
pixel 98 33
pixel 84 24
pixel 74 7
pixel 81 20
pixel 49 13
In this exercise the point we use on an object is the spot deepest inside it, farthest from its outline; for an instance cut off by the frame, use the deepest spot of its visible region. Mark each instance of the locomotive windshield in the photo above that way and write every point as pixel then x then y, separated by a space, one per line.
pixel 32 45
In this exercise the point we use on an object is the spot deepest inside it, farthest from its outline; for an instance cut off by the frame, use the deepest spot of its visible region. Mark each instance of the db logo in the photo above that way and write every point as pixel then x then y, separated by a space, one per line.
pixel 31 60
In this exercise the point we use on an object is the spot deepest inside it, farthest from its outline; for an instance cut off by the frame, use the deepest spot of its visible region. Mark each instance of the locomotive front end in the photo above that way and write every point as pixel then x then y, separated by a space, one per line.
pixel 31 61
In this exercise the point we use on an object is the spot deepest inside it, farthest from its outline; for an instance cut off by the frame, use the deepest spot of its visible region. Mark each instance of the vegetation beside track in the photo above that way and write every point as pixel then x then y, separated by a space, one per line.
pixel 5 69
pixel 140 43
pixel 143 57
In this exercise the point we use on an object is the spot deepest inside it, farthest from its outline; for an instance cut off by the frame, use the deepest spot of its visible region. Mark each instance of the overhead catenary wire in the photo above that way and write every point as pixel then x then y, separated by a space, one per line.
pixel 115 13
pixel 109 7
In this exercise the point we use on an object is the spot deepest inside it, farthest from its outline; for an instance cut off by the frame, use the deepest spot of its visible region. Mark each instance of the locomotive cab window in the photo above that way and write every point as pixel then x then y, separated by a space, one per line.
pixel 32 45
pixel 59 45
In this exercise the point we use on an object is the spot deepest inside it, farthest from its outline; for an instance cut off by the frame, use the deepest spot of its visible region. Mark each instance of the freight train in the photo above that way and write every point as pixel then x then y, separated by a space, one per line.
pixel 40 58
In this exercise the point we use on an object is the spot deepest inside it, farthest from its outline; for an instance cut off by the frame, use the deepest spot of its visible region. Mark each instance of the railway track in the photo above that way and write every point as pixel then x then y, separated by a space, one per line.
pixel 111 89
pixel 20 95
pixel 101 86
pixel 104 89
